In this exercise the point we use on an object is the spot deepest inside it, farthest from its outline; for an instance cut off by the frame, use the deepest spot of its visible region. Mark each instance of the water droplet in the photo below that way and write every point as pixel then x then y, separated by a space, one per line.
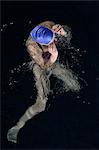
pixel 83 71
pixel 10 84
pixel 23 64
pixel 15 69
pixel 11 23
pixel 31 97
pixel 19 66
pixel 78 97
pixel 12 71
pixel 89 103
pixel 30 22
pixel 4 25
pixel 97 78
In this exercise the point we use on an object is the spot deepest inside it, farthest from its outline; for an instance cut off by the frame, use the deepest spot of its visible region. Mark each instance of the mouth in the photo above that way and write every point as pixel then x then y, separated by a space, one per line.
pixel 46 56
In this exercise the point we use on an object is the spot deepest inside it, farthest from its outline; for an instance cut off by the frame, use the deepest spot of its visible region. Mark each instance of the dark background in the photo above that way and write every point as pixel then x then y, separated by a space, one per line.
pixel 68 123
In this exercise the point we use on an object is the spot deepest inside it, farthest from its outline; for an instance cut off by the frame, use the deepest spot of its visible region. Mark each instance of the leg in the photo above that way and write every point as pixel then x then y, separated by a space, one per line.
pixel 33 110
pixel 69 79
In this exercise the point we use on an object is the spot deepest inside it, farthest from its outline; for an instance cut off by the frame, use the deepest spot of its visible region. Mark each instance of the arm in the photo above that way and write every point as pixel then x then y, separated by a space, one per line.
pixel 35 51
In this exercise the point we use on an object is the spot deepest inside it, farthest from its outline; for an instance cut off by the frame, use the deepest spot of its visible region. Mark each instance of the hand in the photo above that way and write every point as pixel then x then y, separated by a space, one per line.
pixel 51 47
pixel 59 30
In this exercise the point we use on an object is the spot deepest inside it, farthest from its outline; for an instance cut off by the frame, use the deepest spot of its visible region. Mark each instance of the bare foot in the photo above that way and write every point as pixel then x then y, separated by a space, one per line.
pixel 12 134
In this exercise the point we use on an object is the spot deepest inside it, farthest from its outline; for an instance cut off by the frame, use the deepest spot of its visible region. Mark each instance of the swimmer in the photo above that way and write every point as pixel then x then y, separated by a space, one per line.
pixel 44 44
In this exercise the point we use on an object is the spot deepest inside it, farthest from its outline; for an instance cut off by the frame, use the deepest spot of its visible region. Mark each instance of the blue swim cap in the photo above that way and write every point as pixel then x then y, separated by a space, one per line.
pixel 42 35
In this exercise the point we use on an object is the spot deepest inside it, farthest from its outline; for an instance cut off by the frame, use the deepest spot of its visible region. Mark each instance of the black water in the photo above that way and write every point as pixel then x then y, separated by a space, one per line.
pixel 69 122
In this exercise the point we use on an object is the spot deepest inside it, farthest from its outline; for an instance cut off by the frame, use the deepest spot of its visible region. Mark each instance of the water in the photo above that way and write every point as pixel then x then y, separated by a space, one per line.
pixel 69 120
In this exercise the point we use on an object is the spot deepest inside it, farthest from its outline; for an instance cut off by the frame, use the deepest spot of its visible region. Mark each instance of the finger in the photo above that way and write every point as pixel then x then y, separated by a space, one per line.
pixel 56 27
pixel 50 47
pixel 53 47
pixel 62 32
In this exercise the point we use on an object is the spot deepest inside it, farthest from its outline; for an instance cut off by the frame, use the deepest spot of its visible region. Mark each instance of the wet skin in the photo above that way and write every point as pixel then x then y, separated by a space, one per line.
pixel 45 56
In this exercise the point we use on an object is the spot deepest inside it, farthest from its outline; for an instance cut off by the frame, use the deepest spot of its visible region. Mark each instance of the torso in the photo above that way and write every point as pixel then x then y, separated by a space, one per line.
pixel 45 56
